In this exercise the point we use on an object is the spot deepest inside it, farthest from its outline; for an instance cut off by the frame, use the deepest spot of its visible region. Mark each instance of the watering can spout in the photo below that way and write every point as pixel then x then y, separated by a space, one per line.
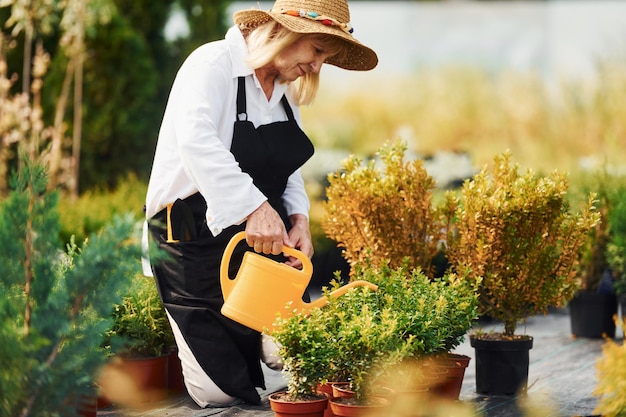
pixel 323 301
pixel 263 288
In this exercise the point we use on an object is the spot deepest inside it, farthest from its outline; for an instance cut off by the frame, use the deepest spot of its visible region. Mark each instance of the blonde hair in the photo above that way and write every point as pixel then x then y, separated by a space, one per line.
pixel 267 40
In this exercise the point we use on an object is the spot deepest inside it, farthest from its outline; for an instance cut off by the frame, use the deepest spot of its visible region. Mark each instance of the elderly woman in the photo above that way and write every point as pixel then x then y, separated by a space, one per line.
pixel 228 159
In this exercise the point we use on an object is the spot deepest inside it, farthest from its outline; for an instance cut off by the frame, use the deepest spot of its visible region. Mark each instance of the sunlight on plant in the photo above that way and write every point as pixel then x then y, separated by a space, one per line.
pixel 515 232
pixel 21 118
pixel 416 385
pixel 386 212
pixel 426 405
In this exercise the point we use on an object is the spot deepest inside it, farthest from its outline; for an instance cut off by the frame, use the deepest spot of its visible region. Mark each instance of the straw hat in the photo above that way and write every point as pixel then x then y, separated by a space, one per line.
pixel 331 17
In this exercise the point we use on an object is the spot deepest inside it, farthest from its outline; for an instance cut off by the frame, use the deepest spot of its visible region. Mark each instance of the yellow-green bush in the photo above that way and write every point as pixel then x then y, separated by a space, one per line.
pixel 92 210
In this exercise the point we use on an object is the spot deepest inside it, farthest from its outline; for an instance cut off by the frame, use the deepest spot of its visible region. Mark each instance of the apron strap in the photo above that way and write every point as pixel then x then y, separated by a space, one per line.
pixel 241 102
pixel 287 107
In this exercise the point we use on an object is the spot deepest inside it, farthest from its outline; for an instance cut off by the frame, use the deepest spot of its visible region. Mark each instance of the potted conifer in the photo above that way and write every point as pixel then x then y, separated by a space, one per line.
pixel 615 257
pixel 518 241
pixel 616 246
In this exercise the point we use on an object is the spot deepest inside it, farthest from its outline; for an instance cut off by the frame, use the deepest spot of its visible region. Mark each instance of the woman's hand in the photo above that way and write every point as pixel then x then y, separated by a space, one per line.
pixel 265 231
pixel 300 235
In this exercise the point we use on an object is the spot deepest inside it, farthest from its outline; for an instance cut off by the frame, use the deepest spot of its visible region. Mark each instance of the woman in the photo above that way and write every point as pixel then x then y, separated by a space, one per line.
pixel 227 159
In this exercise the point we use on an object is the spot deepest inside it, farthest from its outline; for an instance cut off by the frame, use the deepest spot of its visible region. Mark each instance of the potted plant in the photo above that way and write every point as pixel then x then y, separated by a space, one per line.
pixel 363 336
pixel 367 341
pixel 383 210
pixel 306 349
pixel 436 313
pixel 351 339
pixel 143 338
pixel 386 208
pixel 594 305
pixel 516 238
pixel 616 253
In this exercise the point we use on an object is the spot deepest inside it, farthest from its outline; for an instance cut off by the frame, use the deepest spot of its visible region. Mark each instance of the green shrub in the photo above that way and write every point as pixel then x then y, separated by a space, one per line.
pixel 360 336
pixel 616 246
pixel 95 208
pixel 140 321
pixel 56 305
pixel 307 351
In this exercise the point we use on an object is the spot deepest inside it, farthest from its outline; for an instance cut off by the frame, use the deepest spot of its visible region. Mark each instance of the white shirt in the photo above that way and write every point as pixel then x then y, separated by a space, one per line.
pixel 193 149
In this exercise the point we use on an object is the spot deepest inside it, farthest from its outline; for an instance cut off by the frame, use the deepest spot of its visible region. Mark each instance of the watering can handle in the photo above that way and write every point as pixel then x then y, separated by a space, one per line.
pixel 323 301
pixel 228 284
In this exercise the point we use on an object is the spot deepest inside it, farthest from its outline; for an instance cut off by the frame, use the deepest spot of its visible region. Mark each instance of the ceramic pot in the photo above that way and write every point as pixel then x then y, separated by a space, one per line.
pixel 283 408
pixel 175 381
pixel 592 315
pixel 501 365
pixel 103 402
pixel 450 382
pixel 133 381
pixel 327 389
pixel 88 406
pixel 376 407
pixel 342 390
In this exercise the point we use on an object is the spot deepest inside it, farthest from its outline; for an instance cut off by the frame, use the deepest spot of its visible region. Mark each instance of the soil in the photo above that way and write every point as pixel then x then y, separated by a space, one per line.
pixel 288 398
pixel 352 401
pixel 501 336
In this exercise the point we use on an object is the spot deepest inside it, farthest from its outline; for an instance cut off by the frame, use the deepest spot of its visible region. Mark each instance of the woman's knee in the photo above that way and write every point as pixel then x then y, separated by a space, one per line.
pixel 207 394
pixel 199 386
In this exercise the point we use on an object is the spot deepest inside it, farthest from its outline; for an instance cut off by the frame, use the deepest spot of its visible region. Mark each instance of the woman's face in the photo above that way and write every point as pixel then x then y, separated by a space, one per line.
pixel 304 56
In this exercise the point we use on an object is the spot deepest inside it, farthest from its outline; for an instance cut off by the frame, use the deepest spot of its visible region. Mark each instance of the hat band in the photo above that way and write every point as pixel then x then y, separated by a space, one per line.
pixel 325 20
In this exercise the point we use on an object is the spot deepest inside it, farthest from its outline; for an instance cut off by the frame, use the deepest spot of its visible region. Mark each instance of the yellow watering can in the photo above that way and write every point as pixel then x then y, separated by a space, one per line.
pixel 263 287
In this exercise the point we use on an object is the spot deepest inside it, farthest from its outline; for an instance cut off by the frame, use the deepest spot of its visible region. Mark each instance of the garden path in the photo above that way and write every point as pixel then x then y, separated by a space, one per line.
pixel 562 377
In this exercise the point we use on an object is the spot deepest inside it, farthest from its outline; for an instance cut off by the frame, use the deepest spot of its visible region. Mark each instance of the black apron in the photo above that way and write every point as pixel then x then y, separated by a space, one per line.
pixel 189 285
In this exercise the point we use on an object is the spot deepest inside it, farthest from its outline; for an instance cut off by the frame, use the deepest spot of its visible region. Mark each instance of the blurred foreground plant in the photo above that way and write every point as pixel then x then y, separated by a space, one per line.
pixel 56 305
pixel 611 386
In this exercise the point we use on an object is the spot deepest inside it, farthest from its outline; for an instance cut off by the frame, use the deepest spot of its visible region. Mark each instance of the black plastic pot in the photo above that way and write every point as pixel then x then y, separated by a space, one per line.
pixel 592 315
pixel 501 365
